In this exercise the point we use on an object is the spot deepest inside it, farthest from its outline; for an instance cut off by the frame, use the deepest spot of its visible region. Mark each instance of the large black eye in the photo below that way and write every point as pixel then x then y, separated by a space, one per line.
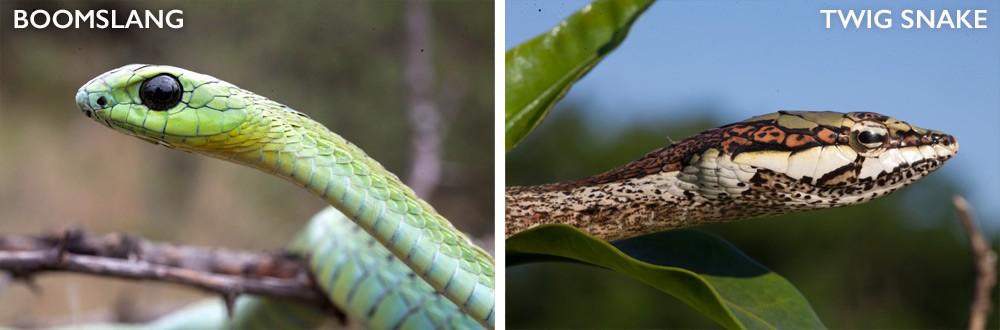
pixel 161 92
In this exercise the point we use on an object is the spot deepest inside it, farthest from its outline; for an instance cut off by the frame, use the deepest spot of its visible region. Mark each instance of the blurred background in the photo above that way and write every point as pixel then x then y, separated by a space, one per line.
pixel 686 66
pixel 343 63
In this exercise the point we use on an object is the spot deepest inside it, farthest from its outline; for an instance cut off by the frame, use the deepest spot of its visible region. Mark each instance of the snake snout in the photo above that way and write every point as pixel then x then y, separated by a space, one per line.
pixel 83 102
pixel 90 102
pixel 947 141
pixel 950 142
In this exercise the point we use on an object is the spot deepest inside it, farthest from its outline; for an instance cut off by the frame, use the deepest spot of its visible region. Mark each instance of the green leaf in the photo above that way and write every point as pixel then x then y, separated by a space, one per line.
pixel 540 71
pixel 700 269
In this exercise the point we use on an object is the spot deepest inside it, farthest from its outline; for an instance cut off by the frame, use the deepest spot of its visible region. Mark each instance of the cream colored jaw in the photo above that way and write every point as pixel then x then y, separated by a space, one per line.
pixel 818 161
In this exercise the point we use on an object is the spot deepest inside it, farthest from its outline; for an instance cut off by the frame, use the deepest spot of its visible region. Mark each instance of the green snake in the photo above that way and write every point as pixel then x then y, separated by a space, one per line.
pixel 429 258
pixel 767 165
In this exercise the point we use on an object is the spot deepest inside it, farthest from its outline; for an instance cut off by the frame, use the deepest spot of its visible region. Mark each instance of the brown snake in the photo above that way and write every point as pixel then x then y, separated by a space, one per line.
pixel 771 164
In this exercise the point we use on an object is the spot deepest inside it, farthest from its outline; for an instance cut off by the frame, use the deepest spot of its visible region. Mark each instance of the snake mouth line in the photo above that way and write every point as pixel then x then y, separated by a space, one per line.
pixel 154 136
pixel 133 130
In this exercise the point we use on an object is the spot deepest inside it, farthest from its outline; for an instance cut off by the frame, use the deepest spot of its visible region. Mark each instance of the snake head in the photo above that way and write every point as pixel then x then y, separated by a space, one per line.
pixel 827 158
pixel 837 149
pixel 165 105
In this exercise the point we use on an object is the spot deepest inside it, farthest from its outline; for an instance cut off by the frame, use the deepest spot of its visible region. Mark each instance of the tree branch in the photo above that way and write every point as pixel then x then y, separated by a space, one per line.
pixel 985 260
pixel 425 120
pixel 226 272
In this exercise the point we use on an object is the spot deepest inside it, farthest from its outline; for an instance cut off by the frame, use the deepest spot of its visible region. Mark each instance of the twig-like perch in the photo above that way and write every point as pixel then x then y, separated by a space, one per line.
pixel 228 273
pixel 986 263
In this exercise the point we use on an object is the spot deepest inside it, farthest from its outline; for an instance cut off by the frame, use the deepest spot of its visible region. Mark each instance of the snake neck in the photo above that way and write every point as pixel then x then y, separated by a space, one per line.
pixel 641 205
pixel 640 197
pixel 292 146
pixel 608 211
pixel 610 206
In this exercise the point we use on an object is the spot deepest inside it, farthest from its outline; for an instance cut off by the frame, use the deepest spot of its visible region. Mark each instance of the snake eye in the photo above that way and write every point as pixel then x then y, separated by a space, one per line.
pixel 869 139
pixel 161 92
pixel 869 135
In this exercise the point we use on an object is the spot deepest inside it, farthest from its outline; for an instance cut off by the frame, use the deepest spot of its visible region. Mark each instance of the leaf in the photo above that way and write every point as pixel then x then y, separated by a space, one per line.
pixel 540 71
pixel 700 269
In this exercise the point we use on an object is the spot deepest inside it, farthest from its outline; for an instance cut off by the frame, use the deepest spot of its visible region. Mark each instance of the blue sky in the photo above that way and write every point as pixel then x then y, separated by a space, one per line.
pixel 749 58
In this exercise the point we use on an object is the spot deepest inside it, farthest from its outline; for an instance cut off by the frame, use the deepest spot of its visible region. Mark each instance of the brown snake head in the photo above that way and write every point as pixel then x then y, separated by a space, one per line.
pixel 770 164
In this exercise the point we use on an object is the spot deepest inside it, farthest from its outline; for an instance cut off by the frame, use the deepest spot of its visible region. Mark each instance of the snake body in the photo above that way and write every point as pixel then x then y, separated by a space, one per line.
pixel 197 113
pixel 767 165
pixel 356 266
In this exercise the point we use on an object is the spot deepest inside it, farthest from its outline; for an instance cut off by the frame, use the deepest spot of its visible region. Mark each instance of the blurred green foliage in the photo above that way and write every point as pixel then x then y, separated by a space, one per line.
pixel 539 72
pixel 340 62
pixel 900 262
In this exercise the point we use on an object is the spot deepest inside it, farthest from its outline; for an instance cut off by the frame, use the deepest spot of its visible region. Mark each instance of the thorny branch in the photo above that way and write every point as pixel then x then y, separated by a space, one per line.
pixel 985 261
pixel 228 273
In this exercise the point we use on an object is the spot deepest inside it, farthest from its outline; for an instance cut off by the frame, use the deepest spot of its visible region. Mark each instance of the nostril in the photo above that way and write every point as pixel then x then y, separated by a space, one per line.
pixel 949 142
pixel 101 101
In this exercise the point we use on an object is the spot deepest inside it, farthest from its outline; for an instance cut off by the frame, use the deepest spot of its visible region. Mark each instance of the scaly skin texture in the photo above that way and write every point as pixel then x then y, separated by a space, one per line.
pixel 331 241
pixel 218 119
pixel 772 164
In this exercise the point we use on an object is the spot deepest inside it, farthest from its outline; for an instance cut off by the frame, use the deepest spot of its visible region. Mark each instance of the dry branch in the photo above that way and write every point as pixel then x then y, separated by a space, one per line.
pixel 226 272
pixel 986 262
